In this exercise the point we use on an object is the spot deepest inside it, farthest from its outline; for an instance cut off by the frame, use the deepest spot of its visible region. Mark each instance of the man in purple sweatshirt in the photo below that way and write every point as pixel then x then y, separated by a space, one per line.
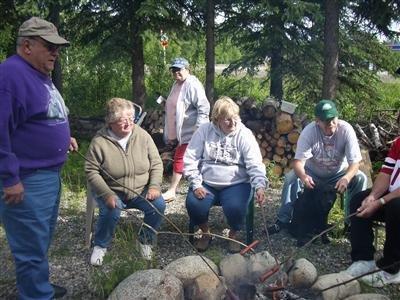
pixel 34 140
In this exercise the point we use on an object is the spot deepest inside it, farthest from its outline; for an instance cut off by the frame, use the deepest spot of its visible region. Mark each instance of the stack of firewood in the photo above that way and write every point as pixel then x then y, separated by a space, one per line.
pixel 378 134
pixel 276 131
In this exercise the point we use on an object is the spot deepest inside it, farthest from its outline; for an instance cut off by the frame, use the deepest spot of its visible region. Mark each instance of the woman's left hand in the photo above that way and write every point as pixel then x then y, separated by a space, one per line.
pixel 152 194
pixel 260 196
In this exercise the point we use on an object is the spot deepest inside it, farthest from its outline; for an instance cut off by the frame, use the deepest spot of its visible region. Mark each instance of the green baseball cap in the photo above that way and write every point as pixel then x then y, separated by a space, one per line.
pixel 326 110
pixel 46 30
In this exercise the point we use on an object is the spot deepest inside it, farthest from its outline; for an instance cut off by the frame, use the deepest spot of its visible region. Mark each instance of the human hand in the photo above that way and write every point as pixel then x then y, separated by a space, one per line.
pixel 308 182
pixel 73 146
pixel 369 199
pixel 13 194
pixel 260 196
pixel 200 193
pixel 341 185
pixel 152 194
pixel 111 201
pixel 368 208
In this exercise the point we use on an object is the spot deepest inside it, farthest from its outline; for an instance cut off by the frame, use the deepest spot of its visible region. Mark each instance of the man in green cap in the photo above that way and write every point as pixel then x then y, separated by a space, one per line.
pixel 327 154
pixel 34 141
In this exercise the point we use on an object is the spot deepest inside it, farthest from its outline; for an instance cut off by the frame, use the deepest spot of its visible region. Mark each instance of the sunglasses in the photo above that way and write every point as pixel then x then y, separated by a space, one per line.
pixel 49 46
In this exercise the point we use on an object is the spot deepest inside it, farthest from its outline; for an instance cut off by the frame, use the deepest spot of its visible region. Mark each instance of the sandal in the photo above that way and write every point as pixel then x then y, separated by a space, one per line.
pixel 169 200
pixel 203 243
pixel 169 196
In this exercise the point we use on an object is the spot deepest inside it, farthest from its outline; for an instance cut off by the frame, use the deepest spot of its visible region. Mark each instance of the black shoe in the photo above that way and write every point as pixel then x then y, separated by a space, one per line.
pixel 275 228
pixel 59 291
pixel 325 239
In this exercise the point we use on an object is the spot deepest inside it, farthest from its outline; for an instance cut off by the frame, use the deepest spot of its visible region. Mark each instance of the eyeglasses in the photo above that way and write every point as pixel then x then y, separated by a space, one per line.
pixel 229 121
pixel 124 121
pixel 174 69
pixel 49 46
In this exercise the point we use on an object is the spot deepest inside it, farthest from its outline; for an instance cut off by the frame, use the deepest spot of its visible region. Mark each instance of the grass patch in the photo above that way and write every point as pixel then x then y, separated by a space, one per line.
pixel 122 260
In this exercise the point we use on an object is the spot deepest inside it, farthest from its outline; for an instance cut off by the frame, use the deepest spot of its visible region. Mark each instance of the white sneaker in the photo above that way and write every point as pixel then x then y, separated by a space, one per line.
pixel 381 278
pixel 97 256
pixel 169 196
pixel 146 251
pixel 360 267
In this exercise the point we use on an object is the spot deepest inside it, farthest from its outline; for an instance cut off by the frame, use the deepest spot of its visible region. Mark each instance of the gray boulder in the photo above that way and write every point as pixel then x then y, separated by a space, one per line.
pixel 339 292
pixel 303 274
pixel 189 267
pixel 368 297
pixel 234 268
pixel 258 264
pixel 207 287
pixel 150 284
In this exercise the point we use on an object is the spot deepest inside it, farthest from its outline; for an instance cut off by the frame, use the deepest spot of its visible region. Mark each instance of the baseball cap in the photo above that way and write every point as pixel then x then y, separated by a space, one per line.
pixel 39 27
pixel 179 62
pixel 326 110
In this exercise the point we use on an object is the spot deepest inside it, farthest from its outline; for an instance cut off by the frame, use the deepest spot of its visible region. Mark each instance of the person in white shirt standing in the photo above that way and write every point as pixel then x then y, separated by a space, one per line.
pixel 186 108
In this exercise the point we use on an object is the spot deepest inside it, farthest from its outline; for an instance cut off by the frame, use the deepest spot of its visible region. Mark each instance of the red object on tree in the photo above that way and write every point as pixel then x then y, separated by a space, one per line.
pixel 163 39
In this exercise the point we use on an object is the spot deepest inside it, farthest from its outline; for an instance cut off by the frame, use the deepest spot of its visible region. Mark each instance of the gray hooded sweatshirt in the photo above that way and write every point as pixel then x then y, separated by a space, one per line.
pixel 221 160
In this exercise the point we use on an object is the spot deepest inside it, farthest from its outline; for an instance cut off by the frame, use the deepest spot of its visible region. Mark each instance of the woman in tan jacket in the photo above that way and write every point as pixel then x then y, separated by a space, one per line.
pixel 126 153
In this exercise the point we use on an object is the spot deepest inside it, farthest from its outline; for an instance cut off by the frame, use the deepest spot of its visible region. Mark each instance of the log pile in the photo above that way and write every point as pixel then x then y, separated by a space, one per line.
pixel 276 131
pixel 377 136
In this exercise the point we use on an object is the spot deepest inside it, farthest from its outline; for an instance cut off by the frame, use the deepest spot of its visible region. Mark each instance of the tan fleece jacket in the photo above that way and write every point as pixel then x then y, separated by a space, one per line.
pixel 138 167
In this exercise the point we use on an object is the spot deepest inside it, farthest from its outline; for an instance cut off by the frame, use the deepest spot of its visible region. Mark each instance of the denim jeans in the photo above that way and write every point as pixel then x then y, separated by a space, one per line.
pixel 233 199
pixel 292 186
pixel 362 236
pixel 108 219
pixel 29 227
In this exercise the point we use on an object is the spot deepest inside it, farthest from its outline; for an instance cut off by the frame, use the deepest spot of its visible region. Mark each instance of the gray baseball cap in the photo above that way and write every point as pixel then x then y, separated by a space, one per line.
pixel 179 62
pixel 46 30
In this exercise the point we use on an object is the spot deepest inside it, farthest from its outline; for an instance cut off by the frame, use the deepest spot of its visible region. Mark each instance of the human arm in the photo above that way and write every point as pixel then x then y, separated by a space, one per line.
pixel 341 185
pixel 304 152
pixel 192 158
pixel 94 161
pixel 155 171
pixel 200 101
pixel 353 156
pixel 298 167
pixel 254 165
pixel 371 203
pixel 73 146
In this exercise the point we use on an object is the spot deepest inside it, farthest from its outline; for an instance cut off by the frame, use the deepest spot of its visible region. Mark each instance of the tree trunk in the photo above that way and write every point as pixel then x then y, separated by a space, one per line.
pixel 210 53
pixel 276 87
pixel 331 49
pixel 54 17
pixel 276 73
pixel 137 60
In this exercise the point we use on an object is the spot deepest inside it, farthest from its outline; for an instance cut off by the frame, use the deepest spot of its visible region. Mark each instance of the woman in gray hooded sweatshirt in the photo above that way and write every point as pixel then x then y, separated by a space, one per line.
pixel 223 164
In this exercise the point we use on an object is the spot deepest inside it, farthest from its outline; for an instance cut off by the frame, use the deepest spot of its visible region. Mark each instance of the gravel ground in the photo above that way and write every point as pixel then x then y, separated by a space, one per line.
pixel 69 259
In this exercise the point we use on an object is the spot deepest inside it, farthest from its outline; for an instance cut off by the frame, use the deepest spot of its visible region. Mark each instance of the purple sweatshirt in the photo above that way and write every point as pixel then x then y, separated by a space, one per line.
pixel 34 129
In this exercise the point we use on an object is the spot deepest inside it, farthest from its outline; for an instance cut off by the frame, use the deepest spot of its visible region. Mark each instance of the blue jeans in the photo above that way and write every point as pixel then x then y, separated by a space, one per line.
pixel 292 186
pixel 108 219
pixel 233 199
pixel 29 227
